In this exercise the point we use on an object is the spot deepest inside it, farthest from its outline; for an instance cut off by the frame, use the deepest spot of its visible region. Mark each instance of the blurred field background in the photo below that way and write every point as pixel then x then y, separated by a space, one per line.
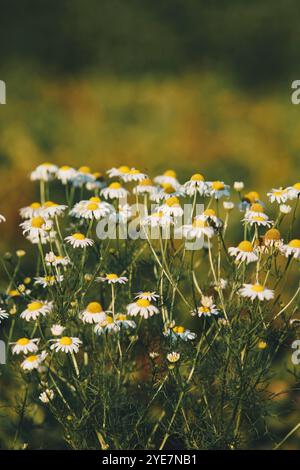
pixel 183 84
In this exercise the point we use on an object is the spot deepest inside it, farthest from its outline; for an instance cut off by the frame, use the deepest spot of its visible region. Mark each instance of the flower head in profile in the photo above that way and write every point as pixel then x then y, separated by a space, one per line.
pixel 207 308
pixel 114 191
pixel 36 309
pixel 133 175
pixel 147 295
pixel 173 357
pixel 196 184
pixel 37 229
pixel 244 252
pixel 217 189
pixel 44 172
pixel 66 174
pixel 256 291
pixel 56 260
pixel 51 209
pixel 66 344
pixel 25 345
pixel 171 207
pixel 34 361
pixel 3 314
pixel 278 195
pixel 57 330
pixel 118 172
pixel 144 187
pixel 292 249
pixel 293 191
pixel 180 332
pixel 79 240
pixel 124 322
pixel 93 313
pixel 93 208
pixel 82 176
pixel 257 219
pixel 169 177
pixel 46 281
pixel 113 278
pixel 157 219
pixel 46 396
pixel 142 307
pixel 198 229
pixel 272 238
pixel 210 216
pixel 107 325
pixel 33 210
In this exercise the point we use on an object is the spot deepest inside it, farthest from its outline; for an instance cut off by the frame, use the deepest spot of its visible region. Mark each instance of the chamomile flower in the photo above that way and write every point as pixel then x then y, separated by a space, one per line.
pixel 79 240
pixel 244 252
pixel 51 209
pixel 259 220
pixel 66 344
pixel 248 199
pixel 272 238
pixel 209 216
pixel 173 357
pixel 198 229
pixel 93 208
pixel 207 308
pixel 66 173
pixel 3 314
pixel 82 176
pixel 44 172
pixel 57 330
pixel 33 210
pixel 217 189
pixel 292 249
pixel 238 186
pixel 143 308
pixel 114 191
pixel 256 291
pixel 144 187
pixel 34 361
pixel 36 309
pixel 118 172
pixel 2 218
pixel 93 313
pixel 278 195
pixel 25 346
pixel 171 207
pixel 46 396
pixel 108 325
pixel 123 321
pixel 293 191
pixel 97 183
pixel 37 229
pixel 122 215
pixel 150 296
pixel 56 260
pixel 133 175
pixel 46 281
pixel 285 209
pixel 169 177
pixel 113 278
pixel 157 219
pixel 228 205
pixel 180 332
pixel 195 185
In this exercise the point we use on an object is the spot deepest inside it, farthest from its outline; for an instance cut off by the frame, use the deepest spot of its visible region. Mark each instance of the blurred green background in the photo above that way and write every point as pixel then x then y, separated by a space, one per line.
pixel 184 84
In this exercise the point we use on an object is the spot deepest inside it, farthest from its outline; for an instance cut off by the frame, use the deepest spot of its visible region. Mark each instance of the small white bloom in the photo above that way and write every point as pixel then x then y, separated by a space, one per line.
pixel 228 205
pixel 171 207
pixel 278 195
pixel 57 330
pixel 66 173
pixel 293 191
pixel 56 260
pixel 35 309
pixel 25 345
pixel 114 191
pixel 93 208
pixel 79 240
pixel 34 361
pixel 238 186
pixel 207 308
pixel 82 176
pixel 107 325
pixel 157 219
pixel 93 313
pixel 133 175
pixel 51 209
pixel 46 281
pixel 66 344
pixel 244 252
pixel 37 229
pixel 209 216
pixel 173 357
pixel 180 332
pixel 195 185
pixel 113 278
pixel 33 210
pixel 168 178
pixel 256 291
pixel 291 249
pixel 122 321
pixel 260 220
pixel 46 396
pixel 198 229
pixel 144 187
pixel 143 308
pixel 44 172
pixel 285 208
pixel 150 296
pixel 217 189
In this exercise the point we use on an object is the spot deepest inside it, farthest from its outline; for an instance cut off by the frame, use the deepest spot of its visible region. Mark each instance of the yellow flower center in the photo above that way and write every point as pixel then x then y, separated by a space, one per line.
pixel 32 358
pixel 245 246
pixel 65 168
pixel 65 341
pixel 171 173
pixel 134 171
pixel 257 288
pixel 262 345
pixel 209 212
pixel 297 186
pixel 158 214
pixel 112 276
pixel 84 169
pixel 168 188
pixel 179 329
pixel 34 306
pixel 49 278
pixel 124 169
pixel 218 185
pixel 121 317
pixel 46 164
pixel 198 223
pixel 252 196
pixel 95 199
pixel 258 218
pixel 35 205
pixel 37 222
pixel 197 177
pixel 23 341
pixel 50 204
pixel 143 303
pixel 272 234
pixel 295 243
pixel 92 206
pixel 172 201
pixel 257 208
pixel 78 236
pixel 205 309
pixel 279 192
pixel 145 182
pixel 14 293
pixel 94 307
pixel 115 185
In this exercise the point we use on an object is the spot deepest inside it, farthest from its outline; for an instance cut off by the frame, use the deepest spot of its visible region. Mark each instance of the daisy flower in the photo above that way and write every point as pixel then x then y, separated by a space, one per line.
pixel 122 215
pixel 35 309
pixel 150 296
pixel 207 308
pixel 114 191
pixel 171 207
pixel 248 199
pixel 180 332
pixel 46 281
pixel 44 172
pixel 46 396
pixel 272 237
pixel 228 205
pixel 108 325
pixel 82 176
pixel 93 313
pixel 285 209
pixel 3 314
pixel 94 208
pixel 198 229
pixel 51 209
pixel 66 173
pixel 173 357
pixel 37 229
pixel 217 189
pixel 238 186
pixel 79 240
pixel 66 344
pixel 25 345
pixel 256 291
pixel 113 278
pixel 57 330
pixel 292 249
pixel 97 183
pixel 278 195
pixel 2 218
pixel 118 172
pixel 144 187
pixel 34 361
pixel 122 321
pixel 169 177
pixel 56 260
pixel 143 308
pixel 195 185
pixel 30 211
pixel 260 220
pixel 244 252
pixel 293 191
pixel 133 175
pixel 157 219
pixel 209 215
